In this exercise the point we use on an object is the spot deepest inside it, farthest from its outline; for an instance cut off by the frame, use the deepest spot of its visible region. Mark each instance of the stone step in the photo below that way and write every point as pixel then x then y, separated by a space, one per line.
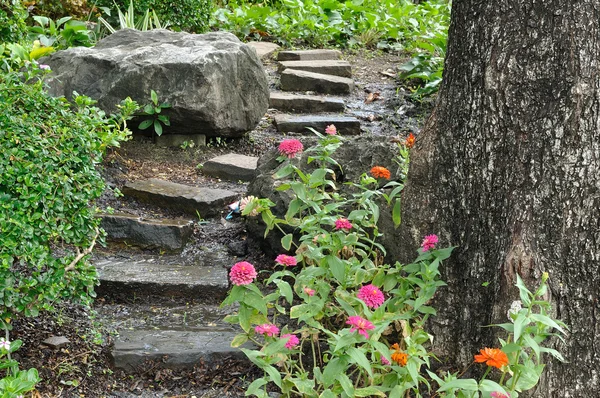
pixel 308 55
pixel 122 278
pixel 171 235
pixel 297 124
pixel 206 202
pixel 232 167
pixel 173 349
pixel 326 67
pixel 299 80
pixel 264 49
pixel 305 103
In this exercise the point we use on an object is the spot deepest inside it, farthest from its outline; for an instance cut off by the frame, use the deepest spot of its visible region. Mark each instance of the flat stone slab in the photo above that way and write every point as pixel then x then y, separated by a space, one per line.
pixel 182 349
pixel 297 124
pixel 232 167
pixel 308 55
pixel 264 49
pixel 305 103
pixel 165 234
pixel 154 277
pixel 299 80
pixel 326 67
pixel 191 200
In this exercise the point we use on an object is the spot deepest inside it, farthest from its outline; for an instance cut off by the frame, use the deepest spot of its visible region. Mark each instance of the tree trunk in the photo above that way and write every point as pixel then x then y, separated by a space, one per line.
pixel 507 168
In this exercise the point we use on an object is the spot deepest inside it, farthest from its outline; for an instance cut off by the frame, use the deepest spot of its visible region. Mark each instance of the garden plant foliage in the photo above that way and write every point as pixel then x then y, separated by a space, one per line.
pixel 334 320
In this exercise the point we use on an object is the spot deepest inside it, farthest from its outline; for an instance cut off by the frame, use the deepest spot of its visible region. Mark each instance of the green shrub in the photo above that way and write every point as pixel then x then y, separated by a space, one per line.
pixel 50 149
pixel 12 21
pixel 188 15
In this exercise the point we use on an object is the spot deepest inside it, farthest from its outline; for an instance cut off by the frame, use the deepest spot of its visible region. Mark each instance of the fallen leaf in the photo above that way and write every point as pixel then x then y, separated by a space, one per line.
pixel 372 97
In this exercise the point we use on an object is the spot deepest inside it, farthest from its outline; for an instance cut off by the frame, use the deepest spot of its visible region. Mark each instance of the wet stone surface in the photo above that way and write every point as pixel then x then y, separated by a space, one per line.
pixel 326 67
pixel 288 102
pixel 308 55
pixel 232 167
pixel 298 80
pixel 345 125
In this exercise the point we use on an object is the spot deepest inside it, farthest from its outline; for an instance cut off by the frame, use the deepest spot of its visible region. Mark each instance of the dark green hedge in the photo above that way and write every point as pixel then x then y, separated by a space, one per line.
pixel 12 21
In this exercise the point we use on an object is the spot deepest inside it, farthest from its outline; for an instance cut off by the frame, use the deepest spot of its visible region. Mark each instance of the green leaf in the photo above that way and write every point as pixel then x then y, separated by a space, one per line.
pixel 254 388
pixel 359 358
pixel 520 324
pixel 334 368
pixel 286 241
pixel 158 128
pixel 284 171
pixel 346 384
pixel 396 213
pixel 464 384
pixel 154 96
pixel 545 320
pixel 285 290
pixel 239 339
pixel 488 386
pixel 337 268
pixel 145 124
pixel 368 392
pixel 274 374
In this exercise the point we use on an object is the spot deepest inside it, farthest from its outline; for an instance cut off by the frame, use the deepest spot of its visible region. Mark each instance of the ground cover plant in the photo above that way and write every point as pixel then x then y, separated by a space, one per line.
pixel 335 320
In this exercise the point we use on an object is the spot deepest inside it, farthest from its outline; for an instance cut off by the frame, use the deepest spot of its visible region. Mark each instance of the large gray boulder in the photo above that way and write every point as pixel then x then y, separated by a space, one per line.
pixel 216 84
pixel 356 156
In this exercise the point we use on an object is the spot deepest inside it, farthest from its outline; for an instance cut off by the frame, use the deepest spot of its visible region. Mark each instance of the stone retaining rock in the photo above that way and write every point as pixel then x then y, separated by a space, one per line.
pixel 308 55
pixel 264 49
pixel 216 85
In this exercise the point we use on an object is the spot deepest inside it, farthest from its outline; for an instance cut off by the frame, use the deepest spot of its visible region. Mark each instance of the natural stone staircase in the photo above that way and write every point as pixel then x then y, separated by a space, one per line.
pixel 165 306
pixel 313 71
pixel 143 286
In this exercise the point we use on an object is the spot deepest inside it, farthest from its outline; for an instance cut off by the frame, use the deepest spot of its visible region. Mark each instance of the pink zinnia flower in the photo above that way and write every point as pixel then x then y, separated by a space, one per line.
pixel 309 291
pixel 342 223
pixel 429 242
pixel 331 130
pixel 360 324
pixel 242 273
pixel 292 340
pixel 371 295
pixel 384 361
pixel 267 329
pixel 497 394
pixel 290 148
pixel 284 259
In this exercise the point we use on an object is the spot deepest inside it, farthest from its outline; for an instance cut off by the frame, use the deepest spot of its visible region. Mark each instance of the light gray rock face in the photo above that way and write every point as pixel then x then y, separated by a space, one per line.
pixel 356 156
pixel 232 167
pixel 305 103
pixel 299 80
pixel 308 55
pixel 182 349
pixel 170 235
pixel 207 202
pixel 216 84
pixel 264 49
pixel 345 125
pixel 326 67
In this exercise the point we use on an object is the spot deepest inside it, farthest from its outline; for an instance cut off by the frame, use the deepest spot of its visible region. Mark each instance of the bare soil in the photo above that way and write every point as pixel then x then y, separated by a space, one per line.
pixel 82 368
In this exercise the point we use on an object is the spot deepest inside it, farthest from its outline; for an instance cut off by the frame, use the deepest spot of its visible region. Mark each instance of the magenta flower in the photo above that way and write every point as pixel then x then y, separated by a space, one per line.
pixel 44 67
pixel 429 242
pixel 384 361
pixel 331 130
pixel 290 148
pixel 292 340
pixel 342 223
pixel 242 273
pixel 497 394
pixel 284 259
pixel 309 291
pixel 360 324
pixel 267 329
pixel 371 295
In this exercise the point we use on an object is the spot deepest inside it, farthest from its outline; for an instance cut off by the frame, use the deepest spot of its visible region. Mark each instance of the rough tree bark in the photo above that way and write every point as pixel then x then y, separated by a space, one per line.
pixel 508 169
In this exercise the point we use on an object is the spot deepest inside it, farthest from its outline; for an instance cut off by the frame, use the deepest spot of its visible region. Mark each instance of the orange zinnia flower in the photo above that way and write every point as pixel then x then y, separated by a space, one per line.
pixel 398 356
pixel 410 141
pixel 380 172
pixel 492 357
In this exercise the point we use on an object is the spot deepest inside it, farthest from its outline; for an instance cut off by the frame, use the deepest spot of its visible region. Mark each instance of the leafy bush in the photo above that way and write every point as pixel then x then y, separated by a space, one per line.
pixel 50 149
pixel 389 23
pixel 335 320
pixel 187 15
pixel 12 21
pixel 56 9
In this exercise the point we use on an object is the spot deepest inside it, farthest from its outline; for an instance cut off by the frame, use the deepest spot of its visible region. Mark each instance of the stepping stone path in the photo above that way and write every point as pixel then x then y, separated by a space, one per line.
pixel 319 71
